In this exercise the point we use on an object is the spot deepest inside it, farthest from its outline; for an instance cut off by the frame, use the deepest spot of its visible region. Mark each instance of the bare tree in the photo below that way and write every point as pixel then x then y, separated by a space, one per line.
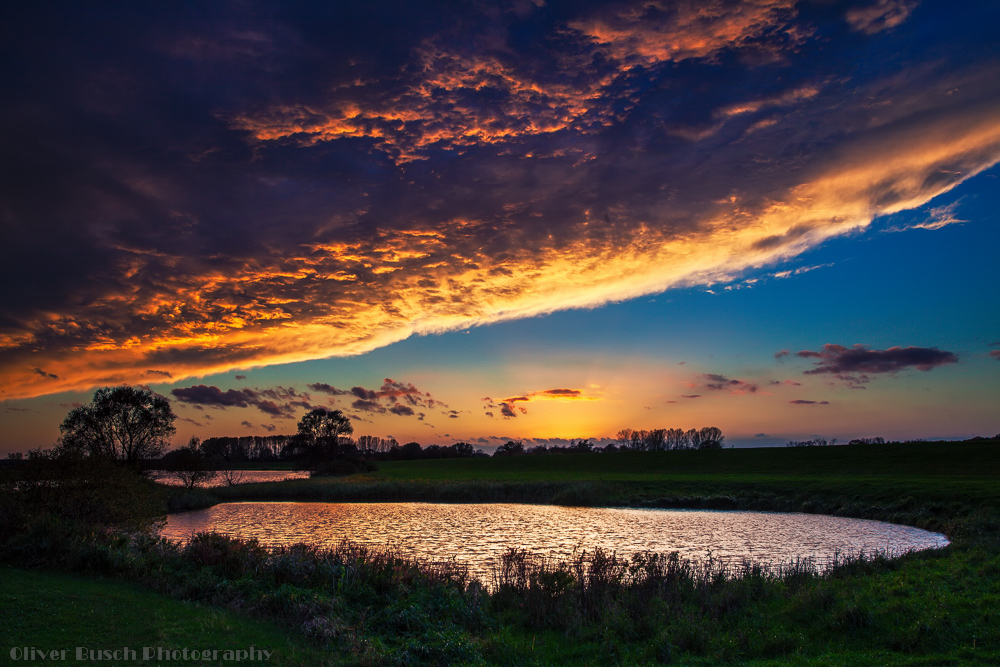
pixel 190 465
pixel 232 477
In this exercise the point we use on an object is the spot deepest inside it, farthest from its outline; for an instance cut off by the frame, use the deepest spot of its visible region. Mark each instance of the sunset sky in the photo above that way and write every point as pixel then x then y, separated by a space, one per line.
pixel 482 221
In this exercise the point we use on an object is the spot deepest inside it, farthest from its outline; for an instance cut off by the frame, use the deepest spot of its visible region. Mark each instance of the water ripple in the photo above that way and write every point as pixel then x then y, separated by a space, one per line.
pixel 476 534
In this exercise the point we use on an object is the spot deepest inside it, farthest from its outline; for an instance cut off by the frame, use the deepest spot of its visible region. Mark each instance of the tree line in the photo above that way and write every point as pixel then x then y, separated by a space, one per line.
pixel 664 439
pixel 133 425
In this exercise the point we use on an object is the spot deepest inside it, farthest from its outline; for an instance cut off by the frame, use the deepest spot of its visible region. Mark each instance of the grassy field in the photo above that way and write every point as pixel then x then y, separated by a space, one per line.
pixel 49 610
pixel 955 460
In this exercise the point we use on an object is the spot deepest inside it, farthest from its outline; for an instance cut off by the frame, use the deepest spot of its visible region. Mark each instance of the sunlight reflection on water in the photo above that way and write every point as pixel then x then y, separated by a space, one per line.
pixel 476 534
pixel 242 477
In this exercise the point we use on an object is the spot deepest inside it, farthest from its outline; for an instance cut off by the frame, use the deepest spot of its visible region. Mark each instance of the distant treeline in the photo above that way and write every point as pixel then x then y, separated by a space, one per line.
pixel 877 440
pixel 291 448
pixel 662 439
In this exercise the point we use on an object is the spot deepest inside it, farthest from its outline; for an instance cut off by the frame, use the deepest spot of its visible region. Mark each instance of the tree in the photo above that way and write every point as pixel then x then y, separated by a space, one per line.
pixel 125 424
pixel 711 437
pixel 510 448
pixel 189 464
pixel 324 427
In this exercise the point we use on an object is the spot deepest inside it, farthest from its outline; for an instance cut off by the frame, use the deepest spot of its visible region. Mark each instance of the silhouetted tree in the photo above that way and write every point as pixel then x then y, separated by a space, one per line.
pixel 124 424
pixel 868 441
pixel 711 437
pixel 510 448
pixel 818 442
pixel 463 449
pixel 324 428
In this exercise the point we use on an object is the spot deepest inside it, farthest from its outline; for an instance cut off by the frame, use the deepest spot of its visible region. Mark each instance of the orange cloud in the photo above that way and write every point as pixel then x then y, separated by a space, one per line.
pixel 536 238
pixel 330 300
pixel 460 99
pixel 444 108
pixel 656 32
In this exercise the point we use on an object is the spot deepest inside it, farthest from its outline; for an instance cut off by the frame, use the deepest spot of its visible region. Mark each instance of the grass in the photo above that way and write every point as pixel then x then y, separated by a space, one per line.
pixel 49 610
pixel 360 606
pixel 977 459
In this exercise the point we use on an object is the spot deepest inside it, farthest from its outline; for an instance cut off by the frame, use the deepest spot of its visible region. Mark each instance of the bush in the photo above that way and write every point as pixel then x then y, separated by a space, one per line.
pixel 92 492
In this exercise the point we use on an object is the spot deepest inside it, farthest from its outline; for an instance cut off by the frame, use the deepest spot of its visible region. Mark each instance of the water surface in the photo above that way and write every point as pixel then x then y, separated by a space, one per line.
pixel 476 534
pixel 246 477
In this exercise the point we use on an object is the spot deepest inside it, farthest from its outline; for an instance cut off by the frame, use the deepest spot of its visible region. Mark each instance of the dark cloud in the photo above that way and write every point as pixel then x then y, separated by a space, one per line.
pixel 762 435
pixel 854 365
pixel 165 374
pixel 718 382
pixel 402 410
pixel 691 396
pixel 324 388
pixel 190 421
pixel 246 424
pixel 282 393
pixel 804 402
pixel 202 395
pixel 365 394
pixel 368 406
pixel 39 371
pixel 398 398
pixel 782 353
pixel 226 186
pixel 995 354
pixel 240 377
pixel 507 411
pixel 879 16
pixel 270 428
pixel 213 396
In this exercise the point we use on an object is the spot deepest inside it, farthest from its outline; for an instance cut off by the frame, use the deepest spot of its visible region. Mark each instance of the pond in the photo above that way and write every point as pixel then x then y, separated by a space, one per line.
pixel 237 476
pixel 476 534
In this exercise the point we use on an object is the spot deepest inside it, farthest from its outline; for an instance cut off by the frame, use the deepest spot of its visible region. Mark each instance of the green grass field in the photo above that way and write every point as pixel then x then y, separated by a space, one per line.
pixel 47 610
pixel 954 460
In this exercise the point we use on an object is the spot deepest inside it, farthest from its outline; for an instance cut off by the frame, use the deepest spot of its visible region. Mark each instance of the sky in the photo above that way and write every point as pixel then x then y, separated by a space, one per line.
pixel 486 221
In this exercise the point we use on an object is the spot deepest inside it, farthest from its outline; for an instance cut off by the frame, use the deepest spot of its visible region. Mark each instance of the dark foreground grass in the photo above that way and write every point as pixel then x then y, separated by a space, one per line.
pixel 48 610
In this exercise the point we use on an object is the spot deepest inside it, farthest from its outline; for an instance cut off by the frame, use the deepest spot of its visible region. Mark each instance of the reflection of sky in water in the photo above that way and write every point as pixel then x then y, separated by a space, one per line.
pixel 248 477
pixel 475 534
